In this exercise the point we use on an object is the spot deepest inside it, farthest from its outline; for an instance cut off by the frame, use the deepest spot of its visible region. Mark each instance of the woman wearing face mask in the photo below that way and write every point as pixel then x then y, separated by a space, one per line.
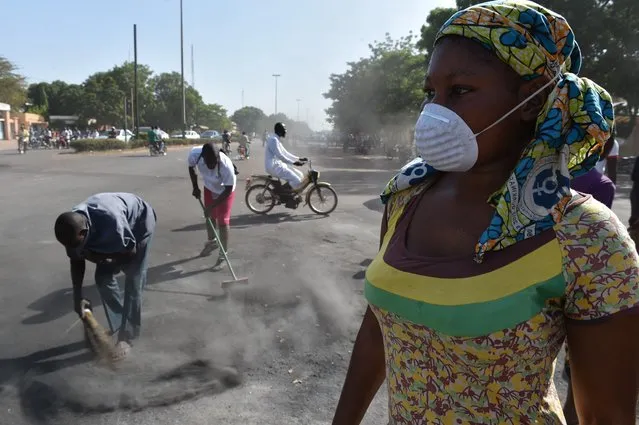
pixel 488 261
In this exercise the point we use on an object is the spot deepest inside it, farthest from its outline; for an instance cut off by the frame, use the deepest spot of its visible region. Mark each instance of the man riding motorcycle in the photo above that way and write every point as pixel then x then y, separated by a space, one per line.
pixel 226 142
pixel 155 140
pixel 23 139
pixel 278 161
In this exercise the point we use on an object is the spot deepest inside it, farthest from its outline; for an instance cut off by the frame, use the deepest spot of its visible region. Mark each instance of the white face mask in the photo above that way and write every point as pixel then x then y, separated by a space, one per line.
pixel 446 142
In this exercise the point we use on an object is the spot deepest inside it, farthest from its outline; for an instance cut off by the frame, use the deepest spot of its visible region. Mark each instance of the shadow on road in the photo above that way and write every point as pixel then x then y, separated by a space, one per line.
pixel 167 272
pixel 39 363
pixel 374 204
pixel 250 220
pixel 361 274
pixel 59 303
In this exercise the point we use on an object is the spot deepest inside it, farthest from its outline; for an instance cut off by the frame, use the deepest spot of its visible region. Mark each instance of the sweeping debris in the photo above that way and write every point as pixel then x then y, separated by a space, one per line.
pixel 99 340
pixel 226 283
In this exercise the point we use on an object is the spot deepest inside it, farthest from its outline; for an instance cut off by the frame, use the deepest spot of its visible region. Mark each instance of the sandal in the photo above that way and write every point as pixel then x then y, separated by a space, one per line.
pixel 208 249
pixel 220 263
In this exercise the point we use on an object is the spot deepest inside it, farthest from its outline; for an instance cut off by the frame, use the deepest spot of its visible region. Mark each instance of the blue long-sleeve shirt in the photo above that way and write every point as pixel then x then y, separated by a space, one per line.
pixel 117 222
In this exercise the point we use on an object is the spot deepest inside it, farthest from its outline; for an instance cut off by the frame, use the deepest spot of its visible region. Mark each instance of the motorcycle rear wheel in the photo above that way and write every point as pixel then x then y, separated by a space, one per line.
pixel 320 190
pixel 264 199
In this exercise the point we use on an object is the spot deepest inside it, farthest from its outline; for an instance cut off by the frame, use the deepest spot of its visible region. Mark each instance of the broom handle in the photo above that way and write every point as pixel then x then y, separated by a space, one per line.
pixel 106 313
pixel 217 237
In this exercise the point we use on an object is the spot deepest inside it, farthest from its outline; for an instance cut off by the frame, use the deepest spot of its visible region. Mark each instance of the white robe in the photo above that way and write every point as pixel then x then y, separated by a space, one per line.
pixel 279 163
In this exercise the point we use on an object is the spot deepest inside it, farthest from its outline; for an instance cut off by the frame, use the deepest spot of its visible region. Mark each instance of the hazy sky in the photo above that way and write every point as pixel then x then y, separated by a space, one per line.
pixel 238 44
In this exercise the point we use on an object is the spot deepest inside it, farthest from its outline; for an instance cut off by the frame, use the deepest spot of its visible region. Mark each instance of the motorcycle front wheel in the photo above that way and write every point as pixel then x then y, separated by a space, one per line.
pixel 260 199
pixel 322 199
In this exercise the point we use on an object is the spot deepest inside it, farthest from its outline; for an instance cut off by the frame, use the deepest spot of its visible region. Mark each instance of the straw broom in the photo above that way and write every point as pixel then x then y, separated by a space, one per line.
pixel 99 340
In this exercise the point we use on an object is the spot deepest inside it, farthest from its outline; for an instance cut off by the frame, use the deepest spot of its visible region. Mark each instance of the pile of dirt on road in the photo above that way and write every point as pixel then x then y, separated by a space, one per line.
pixel 149 378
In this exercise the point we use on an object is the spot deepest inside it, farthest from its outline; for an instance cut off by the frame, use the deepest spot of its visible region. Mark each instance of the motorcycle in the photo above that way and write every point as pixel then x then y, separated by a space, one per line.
pixel 38 142
pixel 264 192
pixel 157 149
pixel 62 143
pixel 226 147
pixel 242 153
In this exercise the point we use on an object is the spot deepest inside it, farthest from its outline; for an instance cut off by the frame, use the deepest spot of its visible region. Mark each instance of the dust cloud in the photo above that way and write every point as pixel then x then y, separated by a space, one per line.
pixel 265 326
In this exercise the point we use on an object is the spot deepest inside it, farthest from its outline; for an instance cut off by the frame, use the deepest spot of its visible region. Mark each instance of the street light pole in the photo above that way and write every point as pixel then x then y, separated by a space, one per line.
pixel 135 114
pixel 298 109
pixel 276 77
pixel 182 71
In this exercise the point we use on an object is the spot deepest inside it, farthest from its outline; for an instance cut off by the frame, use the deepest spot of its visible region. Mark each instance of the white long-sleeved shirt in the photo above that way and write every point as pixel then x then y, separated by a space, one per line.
pixel 275 153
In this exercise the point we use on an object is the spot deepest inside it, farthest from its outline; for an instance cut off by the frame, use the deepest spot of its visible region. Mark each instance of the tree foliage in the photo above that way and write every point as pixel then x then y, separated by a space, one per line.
pixel 249 119
pixel 381 92
pixel 56 98
pixel 213 116
pixel 607 32
pixel 12 85
pixel 434 21
pixel 102 97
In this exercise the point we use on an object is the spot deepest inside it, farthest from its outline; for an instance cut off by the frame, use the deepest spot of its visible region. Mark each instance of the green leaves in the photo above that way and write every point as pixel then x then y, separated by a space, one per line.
pixel 249 119
pixel 381 92
pixel 12 85
pixel 101 97
pixel 607 32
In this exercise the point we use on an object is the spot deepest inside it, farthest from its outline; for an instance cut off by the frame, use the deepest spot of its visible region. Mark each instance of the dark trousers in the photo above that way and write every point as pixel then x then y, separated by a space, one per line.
pixel 124 310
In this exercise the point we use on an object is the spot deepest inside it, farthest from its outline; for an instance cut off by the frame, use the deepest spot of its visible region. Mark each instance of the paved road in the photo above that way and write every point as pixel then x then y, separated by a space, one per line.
pixel 272 352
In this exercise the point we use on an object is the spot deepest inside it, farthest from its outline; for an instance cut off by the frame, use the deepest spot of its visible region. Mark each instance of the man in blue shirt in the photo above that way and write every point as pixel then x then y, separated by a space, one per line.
pixel 114 231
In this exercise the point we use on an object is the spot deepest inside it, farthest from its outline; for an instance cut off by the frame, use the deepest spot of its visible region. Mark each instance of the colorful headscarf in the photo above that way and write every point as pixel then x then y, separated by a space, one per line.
pixel 571 129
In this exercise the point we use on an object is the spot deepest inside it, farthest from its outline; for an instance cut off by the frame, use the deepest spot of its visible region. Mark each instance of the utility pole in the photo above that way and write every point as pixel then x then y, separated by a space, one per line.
pixel 182 71
pixel 134 98
pixel 298 109
pixel 276 77
pixel 125 115
pixel 192 68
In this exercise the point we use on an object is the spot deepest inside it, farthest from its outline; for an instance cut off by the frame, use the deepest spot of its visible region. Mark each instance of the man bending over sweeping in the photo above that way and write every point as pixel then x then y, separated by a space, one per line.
pixel 114 231
pixel 218 174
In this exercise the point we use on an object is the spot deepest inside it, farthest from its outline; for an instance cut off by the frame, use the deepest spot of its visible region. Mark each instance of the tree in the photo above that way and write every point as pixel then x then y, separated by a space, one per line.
pixel 434 21
pixel 380 93
pixel 72 100
pixel 37 95
pixel 249 119
pixel 299 129
pixel 12 85
pixel 124 76
pixel 213 116
pixel 166 110
pixel 56 98
pixel 103 100
pixel 607 32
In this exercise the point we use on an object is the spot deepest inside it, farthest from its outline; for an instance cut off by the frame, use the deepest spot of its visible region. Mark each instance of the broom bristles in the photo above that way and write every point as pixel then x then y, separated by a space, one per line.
pixel 99 339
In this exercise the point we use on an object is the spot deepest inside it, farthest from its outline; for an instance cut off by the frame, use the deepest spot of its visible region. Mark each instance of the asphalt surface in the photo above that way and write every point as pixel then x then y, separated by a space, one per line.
pixel 274 351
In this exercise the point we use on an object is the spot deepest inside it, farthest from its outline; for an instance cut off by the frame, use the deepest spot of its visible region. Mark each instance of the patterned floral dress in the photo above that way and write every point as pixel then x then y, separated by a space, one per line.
pixel 476 343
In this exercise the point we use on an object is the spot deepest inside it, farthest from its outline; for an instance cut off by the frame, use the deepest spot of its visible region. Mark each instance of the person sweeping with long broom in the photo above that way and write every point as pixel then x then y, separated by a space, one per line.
pixel 114 231
pixel 218 175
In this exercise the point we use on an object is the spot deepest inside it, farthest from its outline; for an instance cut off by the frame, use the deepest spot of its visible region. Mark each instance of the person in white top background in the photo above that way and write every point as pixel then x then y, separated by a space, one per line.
pixel 278 163
pixel 607 165
pixel 218 175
